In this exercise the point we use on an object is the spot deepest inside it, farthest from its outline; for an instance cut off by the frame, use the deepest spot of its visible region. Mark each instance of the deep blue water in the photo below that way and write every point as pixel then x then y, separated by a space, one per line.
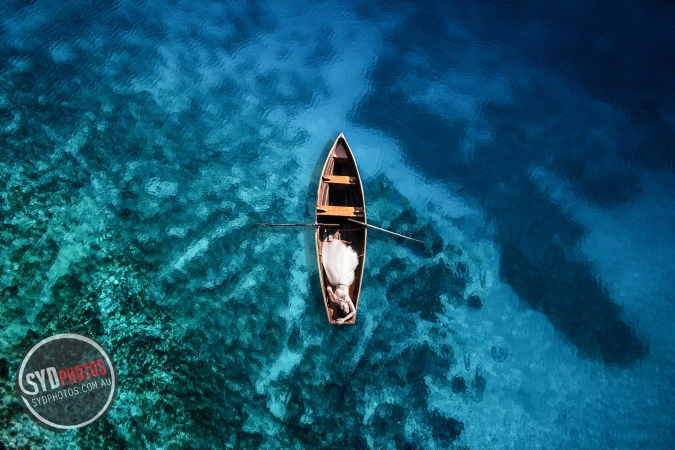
pixel 530 142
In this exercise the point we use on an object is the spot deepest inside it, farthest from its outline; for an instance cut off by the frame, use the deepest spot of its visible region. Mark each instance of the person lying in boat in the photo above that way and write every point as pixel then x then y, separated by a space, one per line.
pixel 341 304
pixel 339 262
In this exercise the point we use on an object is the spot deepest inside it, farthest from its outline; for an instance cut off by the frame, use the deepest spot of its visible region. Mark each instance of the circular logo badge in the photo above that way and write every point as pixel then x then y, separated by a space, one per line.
pixel 66 381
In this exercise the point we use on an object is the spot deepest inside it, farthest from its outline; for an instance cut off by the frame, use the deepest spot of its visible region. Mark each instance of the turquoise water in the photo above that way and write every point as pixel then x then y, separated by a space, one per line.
pixel 530 145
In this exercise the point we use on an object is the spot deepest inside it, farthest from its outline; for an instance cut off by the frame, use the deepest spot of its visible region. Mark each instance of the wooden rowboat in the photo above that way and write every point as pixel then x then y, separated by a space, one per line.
pixel 340 212
pixel 339 198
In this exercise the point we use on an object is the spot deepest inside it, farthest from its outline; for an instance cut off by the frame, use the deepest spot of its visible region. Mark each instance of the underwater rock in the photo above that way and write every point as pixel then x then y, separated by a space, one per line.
pixel 478 385
pixel 421 292
pixel 413 367
pixel 10 406
pixel 498 354
pixel 461 268
pixel 425 361
pixel 295 342
pixel 458 385
pixel 445 430
pixel 388 417
pixel 4 369
pixel 474 302
pixel 408 224
pixel 391 271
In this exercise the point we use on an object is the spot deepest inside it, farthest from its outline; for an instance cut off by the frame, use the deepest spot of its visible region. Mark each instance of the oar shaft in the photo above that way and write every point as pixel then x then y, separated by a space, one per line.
pixel 298 224
pixel 386 231
pixel 285 224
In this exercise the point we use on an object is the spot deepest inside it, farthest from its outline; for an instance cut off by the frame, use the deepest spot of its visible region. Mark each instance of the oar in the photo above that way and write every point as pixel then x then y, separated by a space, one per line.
pixel 298 224
pixel 386 231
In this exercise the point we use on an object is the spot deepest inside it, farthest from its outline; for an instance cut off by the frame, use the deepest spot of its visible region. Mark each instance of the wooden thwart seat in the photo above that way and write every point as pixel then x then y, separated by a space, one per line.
pixel 339 181
pixel 341 211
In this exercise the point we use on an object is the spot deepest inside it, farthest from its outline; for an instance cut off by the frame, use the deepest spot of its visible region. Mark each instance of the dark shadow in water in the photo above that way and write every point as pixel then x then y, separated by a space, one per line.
pixel 575 303
pixel 533 232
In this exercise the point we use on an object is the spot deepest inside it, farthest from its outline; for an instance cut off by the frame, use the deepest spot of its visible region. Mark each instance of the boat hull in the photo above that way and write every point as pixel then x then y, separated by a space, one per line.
pixel 339 198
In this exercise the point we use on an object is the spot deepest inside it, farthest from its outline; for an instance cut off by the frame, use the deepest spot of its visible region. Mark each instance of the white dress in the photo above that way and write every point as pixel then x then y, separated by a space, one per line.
pixel 339 262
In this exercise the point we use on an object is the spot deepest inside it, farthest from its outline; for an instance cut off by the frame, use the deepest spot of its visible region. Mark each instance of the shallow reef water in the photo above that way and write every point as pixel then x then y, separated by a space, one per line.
pixel 140 143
